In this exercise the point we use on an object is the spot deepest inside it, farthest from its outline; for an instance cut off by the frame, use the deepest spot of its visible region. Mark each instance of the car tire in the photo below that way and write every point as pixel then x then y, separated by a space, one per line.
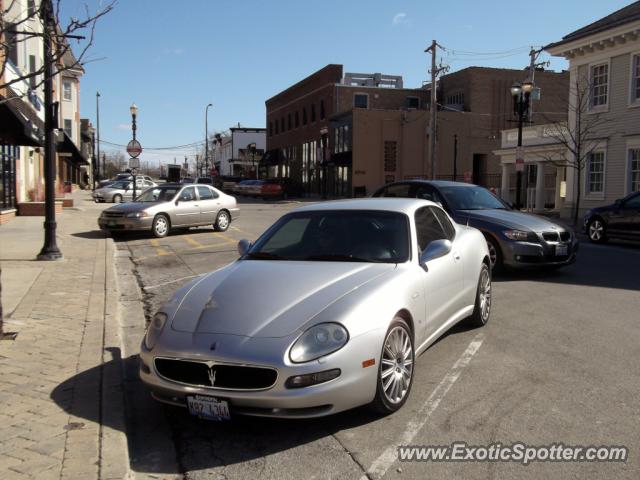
pixel 392 389
pixel 223 220
pixel 597 230
pixel 160 226
pixel 117 198
pixel 495 254
pixel 482 307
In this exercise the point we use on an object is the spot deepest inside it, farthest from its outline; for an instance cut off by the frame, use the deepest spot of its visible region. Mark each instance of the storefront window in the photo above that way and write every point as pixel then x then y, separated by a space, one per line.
pixel 8 155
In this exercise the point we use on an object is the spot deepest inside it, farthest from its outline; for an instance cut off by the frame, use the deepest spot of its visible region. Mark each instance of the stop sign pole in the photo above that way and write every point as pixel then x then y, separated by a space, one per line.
pixel 134 149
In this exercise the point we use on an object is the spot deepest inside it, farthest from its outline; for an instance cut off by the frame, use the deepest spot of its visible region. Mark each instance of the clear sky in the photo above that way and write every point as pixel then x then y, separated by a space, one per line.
pixel 172 58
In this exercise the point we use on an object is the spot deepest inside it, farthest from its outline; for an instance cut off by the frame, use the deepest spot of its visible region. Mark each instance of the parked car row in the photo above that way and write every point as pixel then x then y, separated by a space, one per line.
pixel 270 188
pixel 122 190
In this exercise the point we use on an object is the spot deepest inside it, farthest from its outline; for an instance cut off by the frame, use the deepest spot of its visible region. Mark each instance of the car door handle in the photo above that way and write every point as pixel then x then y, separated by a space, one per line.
pixel 456 256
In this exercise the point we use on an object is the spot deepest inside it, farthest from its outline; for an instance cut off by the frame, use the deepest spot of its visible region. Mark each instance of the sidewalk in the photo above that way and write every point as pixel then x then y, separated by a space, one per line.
pixel 62 413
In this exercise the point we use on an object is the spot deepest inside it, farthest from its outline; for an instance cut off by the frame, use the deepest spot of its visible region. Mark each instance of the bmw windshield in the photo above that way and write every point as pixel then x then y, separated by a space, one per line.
pixel 471 198
pixel 336 236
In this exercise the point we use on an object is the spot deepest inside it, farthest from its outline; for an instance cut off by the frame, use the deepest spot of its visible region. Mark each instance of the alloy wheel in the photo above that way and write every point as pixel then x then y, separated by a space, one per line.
pixel 223 221
pixel 397 365
pixel 485 295
pixel 596 230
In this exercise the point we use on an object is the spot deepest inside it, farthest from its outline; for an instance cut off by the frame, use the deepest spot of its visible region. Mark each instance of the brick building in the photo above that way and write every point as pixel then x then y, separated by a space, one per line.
pixel 475 105
pixel 312 136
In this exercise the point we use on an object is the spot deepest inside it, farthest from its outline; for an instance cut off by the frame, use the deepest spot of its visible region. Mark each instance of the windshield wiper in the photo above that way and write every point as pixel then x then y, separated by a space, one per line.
pixel 264 256
pixel 340 258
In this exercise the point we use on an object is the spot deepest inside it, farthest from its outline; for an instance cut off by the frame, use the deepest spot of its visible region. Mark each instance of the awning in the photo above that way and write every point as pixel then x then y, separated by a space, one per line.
pixel 20 124
pixel 68 150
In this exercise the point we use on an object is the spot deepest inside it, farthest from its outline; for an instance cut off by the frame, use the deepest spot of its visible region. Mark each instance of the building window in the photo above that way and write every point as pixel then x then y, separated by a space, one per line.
pixel 289 121
pixel 361 100
pixel 66 91
pixel 12 42
pixel 32 69
pixel 277 130
pixel 412 102
pixel 271 129
pixel 599 84
pixel 455 99
pixel 390 155
pixel 595 172
pixel 634 169
pixel 313 112
pixel 31 8
pixel 297 119
pixel 68 127
pixel 321 109
pixel 282 124
pixel 635 78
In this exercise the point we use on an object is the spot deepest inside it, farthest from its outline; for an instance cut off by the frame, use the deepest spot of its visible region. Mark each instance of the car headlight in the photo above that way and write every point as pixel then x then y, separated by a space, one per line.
pixel 154 330
pixel 137 214
pixel 520 235
pixel 318 341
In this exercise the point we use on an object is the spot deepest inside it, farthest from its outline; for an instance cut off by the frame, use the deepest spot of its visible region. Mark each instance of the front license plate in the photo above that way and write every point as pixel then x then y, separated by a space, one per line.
pixel 111 223
pixel 562 250
pixel 209 408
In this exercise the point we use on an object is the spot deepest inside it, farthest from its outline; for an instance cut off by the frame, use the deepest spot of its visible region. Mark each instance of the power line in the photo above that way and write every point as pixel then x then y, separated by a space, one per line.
pixel 176 147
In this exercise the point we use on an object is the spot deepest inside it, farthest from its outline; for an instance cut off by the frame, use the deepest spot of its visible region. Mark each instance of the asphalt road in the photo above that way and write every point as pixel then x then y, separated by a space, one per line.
pixel 557 363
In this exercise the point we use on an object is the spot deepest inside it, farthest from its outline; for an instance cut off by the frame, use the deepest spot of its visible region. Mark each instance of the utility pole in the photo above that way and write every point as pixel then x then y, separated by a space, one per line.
pixel 50 250
pixel 435 71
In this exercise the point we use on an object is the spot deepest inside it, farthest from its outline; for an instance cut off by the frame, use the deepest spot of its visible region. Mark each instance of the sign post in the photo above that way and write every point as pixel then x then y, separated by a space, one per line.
pixel 134 149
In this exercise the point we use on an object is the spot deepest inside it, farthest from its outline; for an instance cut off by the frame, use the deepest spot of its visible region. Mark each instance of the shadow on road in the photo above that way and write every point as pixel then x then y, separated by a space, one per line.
pixel 92 235
pixel 152 428
pixel 609 266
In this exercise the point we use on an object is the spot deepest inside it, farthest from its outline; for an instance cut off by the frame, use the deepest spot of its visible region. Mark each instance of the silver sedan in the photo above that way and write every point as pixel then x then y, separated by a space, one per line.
pixel 325 312
pixel 161 208
pixel 121 190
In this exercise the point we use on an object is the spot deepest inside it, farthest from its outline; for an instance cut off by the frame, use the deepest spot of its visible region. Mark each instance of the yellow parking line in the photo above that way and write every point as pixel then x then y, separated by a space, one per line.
pixel 193 241
pixel 161 251
pixel 209 245
pixel 251 235
pixel 226 239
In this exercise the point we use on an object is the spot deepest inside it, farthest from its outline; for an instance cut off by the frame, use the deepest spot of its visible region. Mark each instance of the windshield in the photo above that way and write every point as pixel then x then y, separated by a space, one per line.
pixel 122 176
pixel 120 185
pixel 471 198
pixel 336 236
pixel 159 194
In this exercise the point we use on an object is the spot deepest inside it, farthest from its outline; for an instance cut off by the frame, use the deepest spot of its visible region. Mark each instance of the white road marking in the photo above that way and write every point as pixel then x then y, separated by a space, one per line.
pixel 171 281
pixel 380 466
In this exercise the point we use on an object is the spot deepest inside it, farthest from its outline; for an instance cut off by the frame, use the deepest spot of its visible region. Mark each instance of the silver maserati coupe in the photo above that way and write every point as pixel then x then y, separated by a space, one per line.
pixel 326 311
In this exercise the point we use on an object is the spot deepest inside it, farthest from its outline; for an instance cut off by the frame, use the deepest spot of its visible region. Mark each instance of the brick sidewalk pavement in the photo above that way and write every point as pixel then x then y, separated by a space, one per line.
pixel 61 413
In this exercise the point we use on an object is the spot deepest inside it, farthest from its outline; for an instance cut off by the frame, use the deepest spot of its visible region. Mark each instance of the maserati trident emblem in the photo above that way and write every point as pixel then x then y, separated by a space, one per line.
pixel 212 376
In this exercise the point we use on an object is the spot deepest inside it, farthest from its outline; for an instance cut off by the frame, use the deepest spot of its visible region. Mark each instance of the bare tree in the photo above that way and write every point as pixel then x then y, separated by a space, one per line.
pixel 114 161
pixel 577 138
pixel 18 26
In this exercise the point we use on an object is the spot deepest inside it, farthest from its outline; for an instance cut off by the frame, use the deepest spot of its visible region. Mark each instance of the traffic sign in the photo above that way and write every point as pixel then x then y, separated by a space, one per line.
pixel 134 163
pixel 134 149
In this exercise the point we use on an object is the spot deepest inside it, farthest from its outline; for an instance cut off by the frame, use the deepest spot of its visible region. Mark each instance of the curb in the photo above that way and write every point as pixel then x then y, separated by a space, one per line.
pixel 151 452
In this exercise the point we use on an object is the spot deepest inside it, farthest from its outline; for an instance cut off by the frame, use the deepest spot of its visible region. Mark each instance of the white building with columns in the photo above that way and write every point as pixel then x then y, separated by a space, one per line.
pixel 544 176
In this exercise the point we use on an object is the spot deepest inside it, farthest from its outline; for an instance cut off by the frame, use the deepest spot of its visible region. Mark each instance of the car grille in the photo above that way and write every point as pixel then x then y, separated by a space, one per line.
pixel 556 236
pixel 108 214
pixel 225 376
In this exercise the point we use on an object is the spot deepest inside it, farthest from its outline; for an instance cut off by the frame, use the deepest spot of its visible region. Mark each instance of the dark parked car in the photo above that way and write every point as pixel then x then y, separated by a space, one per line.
pixel 281 188
pixel 204 180
pixel 514 239
pixel 621 220
pixel 226 183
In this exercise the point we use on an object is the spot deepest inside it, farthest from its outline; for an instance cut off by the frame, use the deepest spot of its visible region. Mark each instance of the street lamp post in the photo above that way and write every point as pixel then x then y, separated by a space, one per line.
pixel 521 95
pixel 98 135
pixel 134 112
pixel 206 139
pixel 50 250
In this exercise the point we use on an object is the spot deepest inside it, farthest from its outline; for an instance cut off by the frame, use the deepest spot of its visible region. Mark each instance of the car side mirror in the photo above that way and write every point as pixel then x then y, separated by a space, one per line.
pixel 436 249
pixel 177 201
pixel 243 247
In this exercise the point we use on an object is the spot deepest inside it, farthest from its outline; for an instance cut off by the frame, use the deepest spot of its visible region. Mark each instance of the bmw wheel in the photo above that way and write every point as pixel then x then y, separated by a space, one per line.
pixel 222 221
pixel 160 227
pixel 495 255
pixel 395 372
pixel 482 307
pixel 597 230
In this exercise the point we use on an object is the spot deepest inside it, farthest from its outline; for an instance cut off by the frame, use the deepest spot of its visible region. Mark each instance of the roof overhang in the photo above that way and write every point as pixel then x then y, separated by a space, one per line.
pixel 67 149
pixel 620 35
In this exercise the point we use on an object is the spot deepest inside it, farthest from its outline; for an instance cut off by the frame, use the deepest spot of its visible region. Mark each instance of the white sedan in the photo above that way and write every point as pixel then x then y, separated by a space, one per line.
pixel 325 312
